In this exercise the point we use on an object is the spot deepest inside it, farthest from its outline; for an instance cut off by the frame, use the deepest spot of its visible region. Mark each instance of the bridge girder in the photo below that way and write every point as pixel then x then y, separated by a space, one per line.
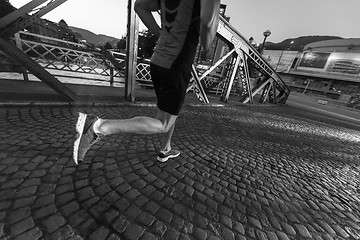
pixel 20 19
pixel 243 53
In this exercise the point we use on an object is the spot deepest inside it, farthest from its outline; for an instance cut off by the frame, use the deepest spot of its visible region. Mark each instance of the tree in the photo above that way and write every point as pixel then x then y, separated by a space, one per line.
pixel 108 45
pixel 65 33
pixel 63 24
pixel 121 44
pixel 147 42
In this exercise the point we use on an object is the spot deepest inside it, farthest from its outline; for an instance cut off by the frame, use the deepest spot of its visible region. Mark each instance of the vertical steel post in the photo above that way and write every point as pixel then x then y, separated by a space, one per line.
pixel 231 80
pixel 111 76
pixel 247 76
pixel 265 93
pixel 18 41
pixel 307 85
pixel 19 46
pixel 131 51
pixel 274 92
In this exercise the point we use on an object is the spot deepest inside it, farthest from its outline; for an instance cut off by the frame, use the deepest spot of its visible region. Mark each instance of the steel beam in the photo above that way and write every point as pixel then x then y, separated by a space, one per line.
pixel 246 51
pixel 131 53
pixel 197 87
pixel 234 38
pixel 20 19
pixel 247 76
pixel 235 67
pixel 20 13
pixel 213 67
pixel 265 93
pixel 195 83
pixel 274 100
pixel 257 90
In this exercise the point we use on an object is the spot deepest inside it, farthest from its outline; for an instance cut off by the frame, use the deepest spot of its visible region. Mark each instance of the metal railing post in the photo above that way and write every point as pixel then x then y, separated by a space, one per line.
pixel 111 76
pixel 131 52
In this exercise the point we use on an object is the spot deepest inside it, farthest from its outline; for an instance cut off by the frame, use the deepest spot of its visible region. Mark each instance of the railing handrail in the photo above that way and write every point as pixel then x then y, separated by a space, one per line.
pixel 52 39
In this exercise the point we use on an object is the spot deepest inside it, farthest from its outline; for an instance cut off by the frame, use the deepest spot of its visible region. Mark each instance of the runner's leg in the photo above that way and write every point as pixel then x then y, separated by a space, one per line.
pixel 139 125
pixel 166 141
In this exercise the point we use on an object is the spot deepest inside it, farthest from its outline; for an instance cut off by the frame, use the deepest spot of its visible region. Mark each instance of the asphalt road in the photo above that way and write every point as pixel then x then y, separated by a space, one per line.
pixel 336 112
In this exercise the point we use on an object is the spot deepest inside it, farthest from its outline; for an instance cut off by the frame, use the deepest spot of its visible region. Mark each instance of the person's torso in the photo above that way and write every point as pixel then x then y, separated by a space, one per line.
pixel 179 37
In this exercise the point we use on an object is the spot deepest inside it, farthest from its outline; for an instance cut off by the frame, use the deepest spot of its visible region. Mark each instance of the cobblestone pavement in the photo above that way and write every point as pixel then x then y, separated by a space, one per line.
pixel 245 172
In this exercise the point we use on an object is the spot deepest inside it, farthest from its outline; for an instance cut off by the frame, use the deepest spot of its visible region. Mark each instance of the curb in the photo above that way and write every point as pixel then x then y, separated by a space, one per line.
pixel 96 104
pixel 74 104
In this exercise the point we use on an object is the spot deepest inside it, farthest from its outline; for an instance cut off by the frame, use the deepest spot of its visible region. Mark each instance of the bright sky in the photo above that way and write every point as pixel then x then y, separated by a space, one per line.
pixel 284 18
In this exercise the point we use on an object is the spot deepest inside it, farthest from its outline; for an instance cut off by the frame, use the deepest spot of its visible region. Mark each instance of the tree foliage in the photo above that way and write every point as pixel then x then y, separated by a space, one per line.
pixel 147 42
pixel 121 45
pixel 108 45
pixel 63 24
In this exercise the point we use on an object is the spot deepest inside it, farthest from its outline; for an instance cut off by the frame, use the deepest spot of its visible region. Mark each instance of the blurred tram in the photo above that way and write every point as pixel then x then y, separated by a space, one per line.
pixel 330 68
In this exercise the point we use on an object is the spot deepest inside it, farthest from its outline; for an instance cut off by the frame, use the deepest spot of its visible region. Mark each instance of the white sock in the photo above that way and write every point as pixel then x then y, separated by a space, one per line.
pixel 166 151
pixel 96 126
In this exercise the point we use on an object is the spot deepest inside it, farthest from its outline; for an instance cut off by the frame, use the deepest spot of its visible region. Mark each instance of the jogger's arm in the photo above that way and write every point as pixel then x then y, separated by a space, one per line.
pixel 144 9
pixel 209 15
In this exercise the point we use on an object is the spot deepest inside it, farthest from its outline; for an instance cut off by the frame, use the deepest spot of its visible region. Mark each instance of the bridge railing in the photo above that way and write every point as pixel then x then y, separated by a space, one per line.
pixel 73 62
pixel 76 63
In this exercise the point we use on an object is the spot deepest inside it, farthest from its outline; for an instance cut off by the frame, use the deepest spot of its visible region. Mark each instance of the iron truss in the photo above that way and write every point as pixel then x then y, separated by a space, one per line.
pixel 20 19
pixel 37 57
pixel 237 63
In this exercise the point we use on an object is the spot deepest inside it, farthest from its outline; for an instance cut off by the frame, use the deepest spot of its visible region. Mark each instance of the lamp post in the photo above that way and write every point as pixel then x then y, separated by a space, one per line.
pixel 266 34
pixel 290 45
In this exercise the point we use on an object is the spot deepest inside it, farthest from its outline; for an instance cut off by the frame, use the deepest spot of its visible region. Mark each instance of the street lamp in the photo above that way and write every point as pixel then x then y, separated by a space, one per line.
pixel 266 34
pixel 291 44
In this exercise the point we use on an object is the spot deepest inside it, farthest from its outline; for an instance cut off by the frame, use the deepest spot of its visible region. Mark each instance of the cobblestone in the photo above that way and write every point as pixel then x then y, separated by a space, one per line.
pixel 32 234
pixel 54 222
pixel 21 226
pixel 244 173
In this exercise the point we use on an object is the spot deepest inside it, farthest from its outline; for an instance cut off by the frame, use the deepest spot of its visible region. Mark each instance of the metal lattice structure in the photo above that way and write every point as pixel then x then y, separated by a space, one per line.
pixel 74 61
pixel 236 77
pixel 74 58
pixel 142 75
pixel 71 58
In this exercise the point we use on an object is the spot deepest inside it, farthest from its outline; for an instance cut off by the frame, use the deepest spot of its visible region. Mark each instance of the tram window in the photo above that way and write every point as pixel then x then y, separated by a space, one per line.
pixel 294 63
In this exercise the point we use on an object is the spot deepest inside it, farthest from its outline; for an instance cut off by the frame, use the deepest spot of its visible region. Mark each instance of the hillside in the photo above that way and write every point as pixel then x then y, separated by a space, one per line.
pixel 297 44
pixel 96 39
pixel 293 44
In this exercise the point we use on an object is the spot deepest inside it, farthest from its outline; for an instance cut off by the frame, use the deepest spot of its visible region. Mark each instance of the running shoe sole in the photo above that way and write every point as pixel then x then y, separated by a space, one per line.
pixel 79 130
pixel 167 158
